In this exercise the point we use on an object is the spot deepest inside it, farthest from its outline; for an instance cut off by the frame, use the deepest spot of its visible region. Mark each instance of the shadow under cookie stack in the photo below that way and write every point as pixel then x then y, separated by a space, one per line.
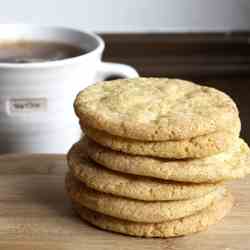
pixel 155 155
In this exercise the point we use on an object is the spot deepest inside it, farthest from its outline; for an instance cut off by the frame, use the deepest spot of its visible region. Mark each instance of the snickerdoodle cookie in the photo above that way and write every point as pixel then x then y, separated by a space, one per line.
pixel 155 109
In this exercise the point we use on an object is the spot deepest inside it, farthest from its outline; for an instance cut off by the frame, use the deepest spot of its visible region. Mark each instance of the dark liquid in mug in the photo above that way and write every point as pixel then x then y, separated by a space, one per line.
pixel 37 51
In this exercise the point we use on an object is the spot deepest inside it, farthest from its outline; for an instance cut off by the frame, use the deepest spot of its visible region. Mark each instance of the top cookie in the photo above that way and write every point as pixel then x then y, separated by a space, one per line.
pixel 155 109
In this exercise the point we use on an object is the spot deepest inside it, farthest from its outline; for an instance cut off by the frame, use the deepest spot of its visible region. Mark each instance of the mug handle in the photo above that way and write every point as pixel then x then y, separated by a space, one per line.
pixel 109 69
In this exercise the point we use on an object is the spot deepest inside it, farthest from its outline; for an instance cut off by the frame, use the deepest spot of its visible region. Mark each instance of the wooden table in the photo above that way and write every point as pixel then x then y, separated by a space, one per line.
pixel 35 214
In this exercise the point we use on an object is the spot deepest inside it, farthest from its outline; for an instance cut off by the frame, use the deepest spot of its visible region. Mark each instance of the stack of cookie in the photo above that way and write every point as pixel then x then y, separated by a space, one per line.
pixel 155 155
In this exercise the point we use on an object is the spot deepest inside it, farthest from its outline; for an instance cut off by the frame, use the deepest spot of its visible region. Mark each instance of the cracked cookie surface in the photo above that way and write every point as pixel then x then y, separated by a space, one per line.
pixel 197 147
pixel 188 225
pixel 231 164
pixel 155 109
pixel 131 186
pixel 136 210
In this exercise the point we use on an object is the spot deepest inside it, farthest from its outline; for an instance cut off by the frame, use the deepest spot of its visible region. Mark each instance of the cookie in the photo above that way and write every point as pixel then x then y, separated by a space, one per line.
pixel 198 147
pixel 135 210
pixel 131 186
pixel 187 225
pixel 232 164
pixel 154 109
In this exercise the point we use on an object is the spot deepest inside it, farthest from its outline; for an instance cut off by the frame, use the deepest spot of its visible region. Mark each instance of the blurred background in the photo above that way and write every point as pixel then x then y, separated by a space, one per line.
pixel 132 15
pixel 204 41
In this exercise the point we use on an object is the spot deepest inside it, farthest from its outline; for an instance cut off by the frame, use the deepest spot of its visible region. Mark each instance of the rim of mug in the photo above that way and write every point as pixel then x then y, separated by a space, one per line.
pixel 60 62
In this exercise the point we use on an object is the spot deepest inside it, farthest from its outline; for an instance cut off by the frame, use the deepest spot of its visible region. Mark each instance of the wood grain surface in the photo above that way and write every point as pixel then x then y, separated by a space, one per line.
pixel 35 214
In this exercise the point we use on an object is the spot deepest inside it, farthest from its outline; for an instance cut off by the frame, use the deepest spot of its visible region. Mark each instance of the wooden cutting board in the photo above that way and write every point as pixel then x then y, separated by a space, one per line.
pixel 36 214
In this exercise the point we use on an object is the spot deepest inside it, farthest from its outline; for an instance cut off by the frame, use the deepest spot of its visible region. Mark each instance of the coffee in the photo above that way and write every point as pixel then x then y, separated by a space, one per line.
pixel 37 51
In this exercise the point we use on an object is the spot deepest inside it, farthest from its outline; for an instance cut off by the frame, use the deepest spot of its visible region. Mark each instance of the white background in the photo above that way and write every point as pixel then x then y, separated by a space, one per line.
pixel 131 15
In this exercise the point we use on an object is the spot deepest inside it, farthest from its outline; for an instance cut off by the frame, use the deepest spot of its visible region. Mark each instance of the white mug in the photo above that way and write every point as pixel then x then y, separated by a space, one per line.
pixel 36 99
